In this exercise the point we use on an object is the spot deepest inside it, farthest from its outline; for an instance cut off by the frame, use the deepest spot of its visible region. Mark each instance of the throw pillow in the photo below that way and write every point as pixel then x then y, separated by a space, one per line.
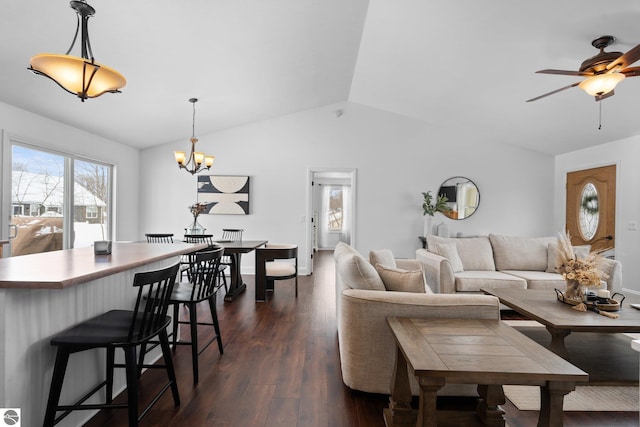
pixel 357 273
pixel 382 257
pixel 552 258
pixel 552 255
pixel 582 251
pixel 450 252
pixel 397 279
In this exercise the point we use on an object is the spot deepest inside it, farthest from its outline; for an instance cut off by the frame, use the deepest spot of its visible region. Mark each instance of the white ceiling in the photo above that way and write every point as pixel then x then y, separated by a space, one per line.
pixel 464 63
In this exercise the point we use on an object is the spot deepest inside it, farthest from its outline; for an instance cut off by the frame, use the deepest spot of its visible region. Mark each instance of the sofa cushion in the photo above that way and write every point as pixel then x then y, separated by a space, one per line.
pixel 520 253
pixel 397 279
pixel 450 252
pixel 540 279
pixel 474 281
pixel 357 273
pixel 475 252
pixel 382 257
pixel 552 255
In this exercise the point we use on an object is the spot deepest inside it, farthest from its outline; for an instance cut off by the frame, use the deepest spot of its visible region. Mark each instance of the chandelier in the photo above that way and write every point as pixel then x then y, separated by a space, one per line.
pixel 81 76
pixel 197 160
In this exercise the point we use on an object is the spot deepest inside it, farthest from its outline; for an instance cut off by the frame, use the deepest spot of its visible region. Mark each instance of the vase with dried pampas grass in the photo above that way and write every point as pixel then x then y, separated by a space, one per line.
pixel 579 273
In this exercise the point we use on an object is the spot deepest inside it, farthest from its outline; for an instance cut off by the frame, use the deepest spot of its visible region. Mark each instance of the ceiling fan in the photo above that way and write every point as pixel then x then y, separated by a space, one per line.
pixel 603 71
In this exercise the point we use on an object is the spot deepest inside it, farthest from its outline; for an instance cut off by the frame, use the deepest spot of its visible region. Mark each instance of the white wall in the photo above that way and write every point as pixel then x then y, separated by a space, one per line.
pixel 396 159
pixel 31 128
pixel 625 154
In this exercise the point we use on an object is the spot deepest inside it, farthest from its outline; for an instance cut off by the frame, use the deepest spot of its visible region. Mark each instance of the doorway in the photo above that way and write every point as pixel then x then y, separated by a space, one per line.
pixel 591 207
pixel 330 209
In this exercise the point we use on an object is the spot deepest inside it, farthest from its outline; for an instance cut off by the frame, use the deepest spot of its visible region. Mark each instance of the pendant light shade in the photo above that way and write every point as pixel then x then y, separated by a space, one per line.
pixel 81 76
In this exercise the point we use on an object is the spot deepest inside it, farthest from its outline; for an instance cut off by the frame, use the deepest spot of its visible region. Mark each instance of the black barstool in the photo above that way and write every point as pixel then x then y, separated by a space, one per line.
pixel 124 329
pixel 203 285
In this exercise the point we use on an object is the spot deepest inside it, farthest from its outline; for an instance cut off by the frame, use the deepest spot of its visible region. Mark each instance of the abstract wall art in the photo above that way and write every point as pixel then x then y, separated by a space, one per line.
pixel 224 194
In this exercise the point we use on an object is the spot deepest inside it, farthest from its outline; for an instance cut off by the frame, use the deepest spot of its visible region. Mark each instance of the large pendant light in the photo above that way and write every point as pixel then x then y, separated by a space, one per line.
pixel 197 160
pixel 81 76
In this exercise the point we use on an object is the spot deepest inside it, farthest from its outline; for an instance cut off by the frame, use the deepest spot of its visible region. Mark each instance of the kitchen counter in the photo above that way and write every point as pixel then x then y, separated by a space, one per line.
pixel 42 294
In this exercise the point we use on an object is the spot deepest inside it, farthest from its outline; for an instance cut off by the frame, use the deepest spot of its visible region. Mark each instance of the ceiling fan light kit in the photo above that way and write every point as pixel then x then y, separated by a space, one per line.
pixel 601 84
pixel 81 76
pixel 602 72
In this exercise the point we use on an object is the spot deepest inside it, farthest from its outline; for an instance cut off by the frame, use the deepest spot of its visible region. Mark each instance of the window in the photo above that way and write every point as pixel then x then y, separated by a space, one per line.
pixel 91 212
pixel 589 211
pixel 64 199
pixel 335 209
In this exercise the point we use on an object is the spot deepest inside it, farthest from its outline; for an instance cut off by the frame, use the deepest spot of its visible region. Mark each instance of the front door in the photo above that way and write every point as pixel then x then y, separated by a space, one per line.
pixel 591 207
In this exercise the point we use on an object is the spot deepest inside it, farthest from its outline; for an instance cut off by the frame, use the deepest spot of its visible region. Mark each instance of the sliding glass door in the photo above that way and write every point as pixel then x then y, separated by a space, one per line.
pixel 58 201
pixel 91 219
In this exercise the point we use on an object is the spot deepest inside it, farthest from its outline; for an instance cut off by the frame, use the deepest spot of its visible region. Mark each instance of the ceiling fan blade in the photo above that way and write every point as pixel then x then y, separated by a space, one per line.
pixel 552 92
pixel 631 71
pixel 625 60
pixel 564 72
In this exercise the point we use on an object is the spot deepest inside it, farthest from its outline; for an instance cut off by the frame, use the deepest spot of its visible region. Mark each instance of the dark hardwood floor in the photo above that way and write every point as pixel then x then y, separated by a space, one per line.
pixel 281 367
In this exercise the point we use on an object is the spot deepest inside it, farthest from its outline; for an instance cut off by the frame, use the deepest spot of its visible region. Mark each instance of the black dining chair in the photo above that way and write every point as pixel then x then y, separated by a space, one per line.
pixel 159 237
pixel 203 285
pixel 234 235
pixel 200 238
pixel 125 329
pixel 208 239
pixel 275 261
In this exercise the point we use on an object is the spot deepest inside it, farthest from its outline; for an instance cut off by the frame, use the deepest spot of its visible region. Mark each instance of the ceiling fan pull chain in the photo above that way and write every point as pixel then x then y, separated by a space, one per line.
pixel 600 116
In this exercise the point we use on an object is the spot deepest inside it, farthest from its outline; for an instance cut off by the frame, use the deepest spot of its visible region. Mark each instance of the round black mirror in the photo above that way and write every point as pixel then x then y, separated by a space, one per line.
pixel 463 197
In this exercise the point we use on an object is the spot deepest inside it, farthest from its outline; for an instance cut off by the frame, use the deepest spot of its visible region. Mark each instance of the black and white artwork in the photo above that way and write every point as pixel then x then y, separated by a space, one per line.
pixel 224 194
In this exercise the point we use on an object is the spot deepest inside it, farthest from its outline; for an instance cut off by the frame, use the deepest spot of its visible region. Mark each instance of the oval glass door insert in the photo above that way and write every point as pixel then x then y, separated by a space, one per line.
pixel 589 211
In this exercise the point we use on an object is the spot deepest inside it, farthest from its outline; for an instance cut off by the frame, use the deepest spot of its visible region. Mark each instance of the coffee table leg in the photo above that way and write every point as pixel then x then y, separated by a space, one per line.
pixel 488 410
pixel 399 412
pixel 427 413
pixel 557 341
pixel 551 401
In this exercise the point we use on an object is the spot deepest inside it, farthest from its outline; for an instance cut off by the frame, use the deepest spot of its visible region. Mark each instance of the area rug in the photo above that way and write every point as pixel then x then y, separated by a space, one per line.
pixel 583 398
pixel 608 358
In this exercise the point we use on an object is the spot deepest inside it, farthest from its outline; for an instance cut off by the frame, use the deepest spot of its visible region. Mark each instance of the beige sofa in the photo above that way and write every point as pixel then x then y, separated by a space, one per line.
pixel 454 265
pixel 367 346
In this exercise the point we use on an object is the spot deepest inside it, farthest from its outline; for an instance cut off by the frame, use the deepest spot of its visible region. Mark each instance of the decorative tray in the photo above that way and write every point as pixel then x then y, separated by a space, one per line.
pixel 604 304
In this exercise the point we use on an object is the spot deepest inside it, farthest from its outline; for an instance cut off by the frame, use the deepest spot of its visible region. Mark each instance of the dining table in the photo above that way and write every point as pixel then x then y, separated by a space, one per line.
pixel 234 249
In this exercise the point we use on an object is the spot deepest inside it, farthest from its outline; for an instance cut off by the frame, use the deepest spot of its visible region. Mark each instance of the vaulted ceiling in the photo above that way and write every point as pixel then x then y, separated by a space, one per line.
pixel 465 64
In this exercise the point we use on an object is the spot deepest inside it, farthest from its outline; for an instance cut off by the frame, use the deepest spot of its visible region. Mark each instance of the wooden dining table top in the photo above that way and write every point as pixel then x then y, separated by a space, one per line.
pixel 240 246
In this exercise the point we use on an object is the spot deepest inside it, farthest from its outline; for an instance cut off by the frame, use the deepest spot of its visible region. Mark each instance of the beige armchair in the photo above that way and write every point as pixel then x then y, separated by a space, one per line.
pixel 367 346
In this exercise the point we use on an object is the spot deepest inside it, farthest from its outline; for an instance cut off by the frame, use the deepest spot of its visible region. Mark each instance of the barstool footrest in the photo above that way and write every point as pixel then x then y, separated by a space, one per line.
pixel 215 338
pixel 69 408
pixel 79 407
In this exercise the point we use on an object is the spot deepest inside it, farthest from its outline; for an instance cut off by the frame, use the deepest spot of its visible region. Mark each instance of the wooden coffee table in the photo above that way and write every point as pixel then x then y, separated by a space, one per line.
pixel 485 352
pixel 561 320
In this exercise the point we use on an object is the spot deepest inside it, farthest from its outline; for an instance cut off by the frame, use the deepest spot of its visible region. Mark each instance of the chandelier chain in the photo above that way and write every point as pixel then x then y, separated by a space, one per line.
pixel 193 123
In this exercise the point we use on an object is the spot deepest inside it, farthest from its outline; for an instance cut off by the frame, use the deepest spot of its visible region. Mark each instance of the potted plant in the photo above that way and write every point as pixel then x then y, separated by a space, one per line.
pixel 430 208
